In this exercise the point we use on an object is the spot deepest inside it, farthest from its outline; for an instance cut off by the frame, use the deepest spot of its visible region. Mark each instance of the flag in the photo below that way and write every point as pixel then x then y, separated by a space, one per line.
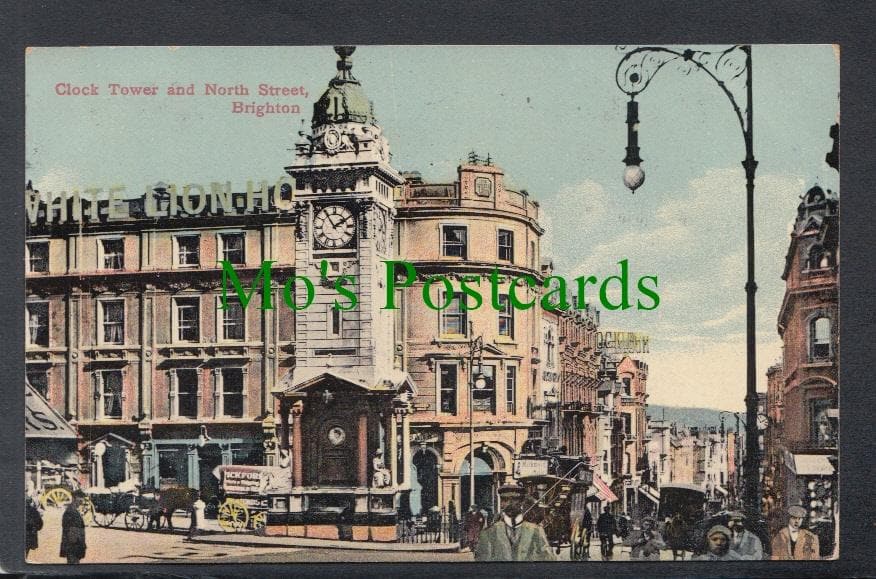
pixel 602 490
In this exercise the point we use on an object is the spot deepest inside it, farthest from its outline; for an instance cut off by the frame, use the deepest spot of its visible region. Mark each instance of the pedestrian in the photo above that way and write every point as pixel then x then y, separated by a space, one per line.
pixel 587 524
pixel 472 525
pixel 511 538
pixel 73 532
pixel 793 542
pixel 605 528
pixel 718 545
pixel 33 522
pixel 454 521
pixel 647 546
pixel 744 543
pixel 677 536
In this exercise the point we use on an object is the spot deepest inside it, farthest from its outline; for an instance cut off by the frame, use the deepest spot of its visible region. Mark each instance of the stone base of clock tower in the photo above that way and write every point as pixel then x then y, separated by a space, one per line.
pixel 350 472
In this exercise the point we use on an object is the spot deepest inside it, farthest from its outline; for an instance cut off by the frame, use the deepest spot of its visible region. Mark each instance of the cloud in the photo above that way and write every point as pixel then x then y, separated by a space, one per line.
pixel 731 315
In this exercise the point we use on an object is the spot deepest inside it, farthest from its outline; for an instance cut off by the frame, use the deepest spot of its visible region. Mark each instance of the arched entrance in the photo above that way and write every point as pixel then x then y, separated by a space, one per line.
pixel 424 481
pixel 484 482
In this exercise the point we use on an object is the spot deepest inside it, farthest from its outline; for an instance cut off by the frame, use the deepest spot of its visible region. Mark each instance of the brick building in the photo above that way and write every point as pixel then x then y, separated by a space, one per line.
pixel 808 324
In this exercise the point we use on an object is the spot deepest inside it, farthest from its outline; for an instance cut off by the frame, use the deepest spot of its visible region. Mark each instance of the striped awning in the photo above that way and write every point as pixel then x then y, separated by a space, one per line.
pixel 602 491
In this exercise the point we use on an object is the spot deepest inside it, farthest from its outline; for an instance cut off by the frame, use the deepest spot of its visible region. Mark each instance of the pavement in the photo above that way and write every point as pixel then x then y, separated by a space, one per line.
pixel 119 545
pixel 251 540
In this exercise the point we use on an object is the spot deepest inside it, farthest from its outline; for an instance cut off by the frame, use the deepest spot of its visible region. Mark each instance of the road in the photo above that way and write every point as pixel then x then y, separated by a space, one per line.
pixel 119 545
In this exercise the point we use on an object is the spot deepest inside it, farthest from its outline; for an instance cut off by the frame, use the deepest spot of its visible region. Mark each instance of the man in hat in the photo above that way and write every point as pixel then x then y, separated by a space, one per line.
pixel 743 542
pixel 606 525
pixel 649 542
pixel 511 538
pixel 718 545
pixel 794 542
pixel 472 524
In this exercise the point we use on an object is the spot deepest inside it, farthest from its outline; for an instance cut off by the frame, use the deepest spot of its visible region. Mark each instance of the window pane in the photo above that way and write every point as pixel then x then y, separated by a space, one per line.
pixel 232 392
pixel 188 250
pixel 506 317
pixel 113 253
pixel 113 322
pixel 454 241
pixel 454 319
pixel 112 394
pixel 188 319
pixel 38 257
pixel 232 321
pixel 819 332
pixel 511 388
pixel 232 248
pixel 447 383
pixel 38 324
pixel 506 245
pixel 187 393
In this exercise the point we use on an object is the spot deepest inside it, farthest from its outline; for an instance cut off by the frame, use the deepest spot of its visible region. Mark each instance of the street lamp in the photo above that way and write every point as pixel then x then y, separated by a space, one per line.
pixel 731 70
pixel 479 381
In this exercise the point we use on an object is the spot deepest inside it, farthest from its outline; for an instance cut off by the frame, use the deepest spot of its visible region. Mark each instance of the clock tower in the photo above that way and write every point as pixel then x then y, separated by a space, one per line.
pixel 344 190
pixel 344 408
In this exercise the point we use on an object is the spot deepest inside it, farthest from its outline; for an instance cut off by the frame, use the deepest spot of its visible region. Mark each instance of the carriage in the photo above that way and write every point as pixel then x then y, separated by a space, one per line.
pixel 683 505
pixel 107 505
pixel 246 491
pixel 553 493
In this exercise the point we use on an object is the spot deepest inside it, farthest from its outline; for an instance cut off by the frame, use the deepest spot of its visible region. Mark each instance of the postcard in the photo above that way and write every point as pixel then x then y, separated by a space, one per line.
pixel 431 303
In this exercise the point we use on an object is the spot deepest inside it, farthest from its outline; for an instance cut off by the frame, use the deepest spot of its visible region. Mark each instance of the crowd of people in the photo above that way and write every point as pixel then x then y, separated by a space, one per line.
pixel 511 538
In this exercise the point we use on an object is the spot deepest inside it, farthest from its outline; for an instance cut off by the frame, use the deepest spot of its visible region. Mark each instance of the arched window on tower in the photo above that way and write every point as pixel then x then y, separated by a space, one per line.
pixel 819 257
pixel 819 338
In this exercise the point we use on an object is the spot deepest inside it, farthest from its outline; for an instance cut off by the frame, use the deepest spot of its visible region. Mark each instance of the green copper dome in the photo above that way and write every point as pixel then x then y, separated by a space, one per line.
pixel 344 100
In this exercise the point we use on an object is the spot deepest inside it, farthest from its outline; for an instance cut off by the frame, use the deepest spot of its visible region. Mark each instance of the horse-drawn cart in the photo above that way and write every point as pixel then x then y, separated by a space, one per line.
pixel 110 504
pixel 553 492
pixel 246 491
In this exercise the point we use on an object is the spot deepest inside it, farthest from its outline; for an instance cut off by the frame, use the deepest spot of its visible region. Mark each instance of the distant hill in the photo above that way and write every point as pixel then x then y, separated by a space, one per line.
pixel 693 416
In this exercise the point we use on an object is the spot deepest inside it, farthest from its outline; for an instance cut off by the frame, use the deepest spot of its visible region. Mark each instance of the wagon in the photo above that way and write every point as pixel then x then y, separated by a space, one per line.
pixel 246 492
pixel 58 484
pixel 551 499
pixel 108 505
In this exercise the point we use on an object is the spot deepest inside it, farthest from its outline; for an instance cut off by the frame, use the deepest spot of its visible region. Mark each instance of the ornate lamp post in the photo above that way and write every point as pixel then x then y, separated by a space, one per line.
pixel 731 70
pixel 475 348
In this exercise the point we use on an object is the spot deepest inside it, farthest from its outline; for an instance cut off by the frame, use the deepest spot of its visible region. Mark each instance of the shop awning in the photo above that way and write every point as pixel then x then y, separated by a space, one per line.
pixel 650 493
pixel 721 490
pixel 41 420
pixel 602 491
pixel 811 465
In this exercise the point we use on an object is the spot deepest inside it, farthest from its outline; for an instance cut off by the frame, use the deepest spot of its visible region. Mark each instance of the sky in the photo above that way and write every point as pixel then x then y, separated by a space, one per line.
pixel 551 117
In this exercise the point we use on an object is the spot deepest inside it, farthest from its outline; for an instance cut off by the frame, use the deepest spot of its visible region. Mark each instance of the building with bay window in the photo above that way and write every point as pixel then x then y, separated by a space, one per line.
pixel 804 416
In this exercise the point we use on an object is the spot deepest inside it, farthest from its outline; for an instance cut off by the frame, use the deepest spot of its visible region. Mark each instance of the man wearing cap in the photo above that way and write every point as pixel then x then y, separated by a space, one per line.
pixel 511 538
pixel 648 544
pixel 743 542
pixel 793 542
pixel 718 545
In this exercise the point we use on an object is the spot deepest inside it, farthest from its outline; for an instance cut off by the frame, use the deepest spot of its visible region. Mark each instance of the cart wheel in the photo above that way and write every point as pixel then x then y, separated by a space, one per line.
pixel 259 520
pixel 233 515
pixel 135 519
pixel 56 497
pixel 104 520
pixel 86 510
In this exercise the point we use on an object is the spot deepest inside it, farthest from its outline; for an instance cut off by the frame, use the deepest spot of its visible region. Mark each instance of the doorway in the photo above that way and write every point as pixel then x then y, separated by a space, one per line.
pixel 484 484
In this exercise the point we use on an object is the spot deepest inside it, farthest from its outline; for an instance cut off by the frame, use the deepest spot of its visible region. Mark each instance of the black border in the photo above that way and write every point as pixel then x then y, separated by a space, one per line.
pixel 52 23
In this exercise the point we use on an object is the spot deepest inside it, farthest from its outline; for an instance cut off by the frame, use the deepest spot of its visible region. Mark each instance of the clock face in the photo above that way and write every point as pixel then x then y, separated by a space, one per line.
pixel 762 421
pixel 337 435
pixel 334 226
